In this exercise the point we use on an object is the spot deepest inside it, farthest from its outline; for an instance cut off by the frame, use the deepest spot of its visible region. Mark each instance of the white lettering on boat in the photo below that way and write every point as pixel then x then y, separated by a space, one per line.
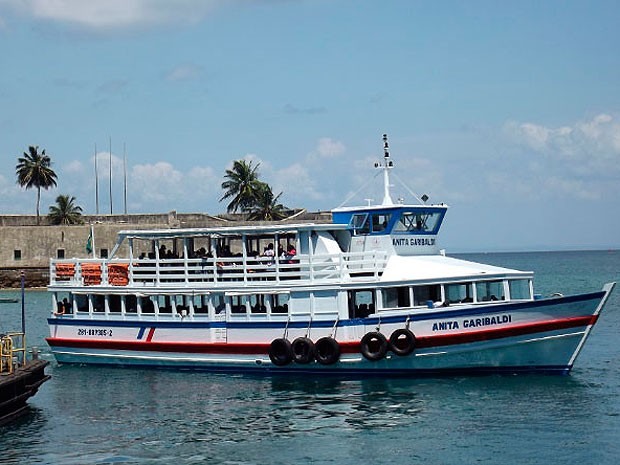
pixel 472 322
pixel 412 242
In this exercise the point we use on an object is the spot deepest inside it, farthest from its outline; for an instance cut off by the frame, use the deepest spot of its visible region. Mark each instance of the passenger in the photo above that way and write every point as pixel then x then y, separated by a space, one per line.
pixel 290 253
pixel 269 253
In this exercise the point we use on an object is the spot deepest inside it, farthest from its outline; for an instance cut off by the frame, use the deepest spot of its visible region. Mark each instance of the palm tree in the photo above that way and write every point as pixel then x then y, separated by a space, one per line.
pixel 65 211
pixel 266 206
pixel 34 170
pixel 242 185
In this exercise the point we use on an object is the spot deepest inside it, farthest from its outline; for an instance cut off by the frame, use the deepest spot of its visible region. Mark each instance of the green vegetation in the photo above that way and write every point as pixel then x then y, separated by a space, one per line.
pixel 65 211
pixel 250 195
pixel 34 170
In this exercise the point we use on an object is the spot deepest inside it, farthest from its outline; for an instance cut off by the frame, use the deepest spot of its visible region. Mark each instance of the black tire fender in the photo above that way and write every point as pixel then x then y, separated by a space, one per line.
pixel 280 352
pixel 327 351
pixel 303 350
pixel 374 346
pixel 402 342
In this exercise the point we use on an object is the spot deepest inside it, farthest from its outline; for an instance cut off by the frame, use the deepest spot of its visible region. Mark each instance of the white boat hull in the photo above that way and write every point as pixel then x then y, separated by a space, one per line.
pixel 536 336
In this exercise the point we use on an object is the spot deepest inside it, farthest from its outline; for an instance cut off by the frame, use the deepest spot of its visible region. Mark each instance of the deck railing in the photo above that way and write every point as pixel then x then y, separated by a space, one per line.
pixel 233 271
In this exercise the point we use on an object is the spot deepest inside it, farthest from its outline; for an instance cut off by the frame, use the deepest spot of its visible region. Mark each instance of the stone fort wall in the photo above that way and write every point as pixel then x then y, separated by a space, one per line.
pixel 24 246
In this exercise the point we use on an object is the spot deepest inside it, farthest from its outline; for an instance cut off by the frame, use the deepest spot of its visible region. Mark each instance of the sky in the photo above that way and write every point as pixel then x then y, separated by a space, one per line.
pixel 509 112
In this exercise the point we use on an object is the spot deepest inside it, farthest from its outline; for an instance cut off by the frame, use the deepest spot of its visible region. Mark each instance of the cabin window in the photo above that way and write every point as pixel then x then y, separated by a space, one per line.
pixel 114 303
pixel 361 303
pixel 182 304
pixel 164 304
pixel 519 289
pixel 257 303
pixel 98 303
pixel 395 297
pixel 423 294
pixel 279 303
pixel 360 224
pixel 380 222
pixel 237 304
pixel 219 303
pixel 200 304
pixel 459 293
pixel 81 301
pixel 131 304
pixel 490 291
pixel 147 304
pixel 64 302
pixel 418 222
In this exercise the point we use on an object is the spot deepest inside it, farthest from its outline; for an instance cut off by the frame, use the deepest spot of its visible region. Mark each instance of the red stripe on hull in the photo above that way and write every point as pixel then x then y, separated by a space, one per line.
pixel 346 347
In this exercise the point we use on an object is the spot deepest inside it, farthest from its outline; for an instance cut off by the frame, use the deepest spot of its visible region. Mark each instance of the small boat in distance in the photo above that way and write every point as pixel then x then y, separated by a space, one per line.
pixel 369 293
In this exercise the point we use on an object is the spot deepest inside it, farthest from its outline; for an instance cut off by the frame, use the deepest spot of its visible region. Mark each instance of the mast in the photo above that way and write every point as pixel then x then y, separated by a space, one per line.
pixel 387 165
pixel 96 183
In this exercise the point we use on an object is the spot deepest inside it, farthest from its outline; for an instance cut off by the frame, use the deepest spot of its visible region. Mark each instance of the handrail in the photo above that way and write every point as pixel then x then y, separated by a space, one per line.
pixel 9 348
pixel 241 270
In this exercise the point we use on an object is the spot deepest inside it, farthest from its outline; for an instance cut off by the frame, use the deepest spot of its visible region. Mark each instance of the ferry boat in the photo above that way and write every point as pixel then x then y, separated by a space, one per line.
pixel 370 293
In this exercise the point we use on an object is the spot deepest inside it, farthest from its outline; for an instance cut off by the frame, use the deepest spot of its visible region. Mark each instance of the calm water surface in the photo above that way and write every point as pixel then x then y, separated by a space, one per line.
pixel 128 416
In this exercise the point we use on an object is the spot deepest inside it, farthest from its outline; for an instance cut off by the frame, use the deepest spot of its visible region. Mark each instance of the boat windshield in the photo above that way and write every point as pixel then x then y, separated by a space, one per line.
pixel 419 221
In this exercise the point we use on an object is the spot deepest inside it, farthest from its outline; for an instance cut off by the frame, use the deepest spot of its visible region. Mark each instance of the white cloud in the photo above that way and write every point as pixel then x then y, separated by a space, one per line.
pixel 114 14
pixel 184 72
pixel 329 148
pixel 591 146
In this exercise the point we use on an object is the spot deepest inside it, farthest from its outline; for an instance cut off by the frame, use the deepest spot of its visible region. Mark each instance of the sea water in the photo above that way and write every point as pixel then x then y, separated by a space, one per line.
pixel 95 415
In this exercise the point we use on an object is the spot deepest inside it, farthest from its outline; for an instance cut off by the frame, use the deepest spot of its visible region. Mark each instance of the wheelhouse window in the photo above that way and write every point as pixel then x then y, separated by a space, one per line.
pixel 459 293
pixel 519 289
pixel 419 222
pixel 380 222
pixel 490 291
pixel 423 294
pixel 360 224
pixel 395 297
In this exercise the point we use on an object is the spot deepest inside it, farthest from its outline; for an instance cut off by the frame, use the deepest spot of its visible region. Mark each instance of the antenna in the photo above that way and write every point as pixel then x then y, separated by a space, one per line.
pixel 96 183
pixel 386 165
pixel 125 176
pixel 110 175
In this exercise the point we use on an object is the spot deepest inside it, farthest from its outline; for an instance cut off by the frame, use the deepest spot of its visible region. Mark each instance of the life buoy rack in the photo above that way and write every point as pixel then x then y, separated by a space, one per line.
pixel 65 271
pixel 280 352
pixel 402 342
pixel 303 350
pixel 374 346
pixel 91 273
pixel 118 274
pixel 327 351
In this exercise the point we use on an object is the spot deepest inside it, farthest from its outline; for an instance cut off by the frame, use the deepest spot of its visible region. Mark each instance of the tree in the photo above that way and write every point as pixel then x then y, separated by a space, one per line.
pixel 34 170
pixel 242 185
pixel 266 206
pixel 65 211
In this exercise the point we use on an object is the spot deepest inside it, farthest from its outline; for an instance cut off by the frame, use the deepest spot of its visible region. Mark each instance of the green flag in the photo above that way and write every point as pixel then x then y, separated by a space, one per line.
pixel 89 242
